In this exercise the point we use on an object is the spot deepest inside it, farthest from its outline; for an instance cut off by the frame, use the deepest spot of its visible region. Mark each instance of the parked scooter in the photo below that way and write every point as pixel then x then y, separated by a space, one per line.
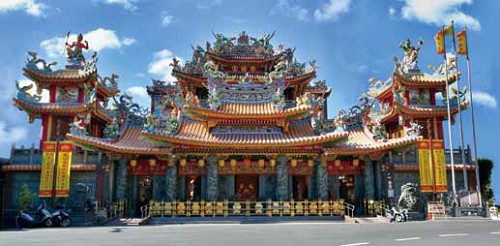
pixel 41 218
pixel 398 216
pixel 61 218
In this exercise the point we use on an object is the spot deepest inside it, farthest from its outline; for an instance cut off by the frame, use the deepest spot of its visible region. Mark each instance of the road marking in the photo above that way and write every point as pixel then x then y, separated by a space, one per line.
pixel 355 244
pixel 407 239
pixel 454 235
pixel 495 232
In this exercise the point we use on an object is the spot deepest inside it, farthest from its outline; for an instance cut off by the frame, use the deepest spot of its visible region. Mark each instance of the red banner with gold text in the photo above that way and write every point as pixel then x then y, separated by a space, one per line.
pixel 47 170
pixel 63 169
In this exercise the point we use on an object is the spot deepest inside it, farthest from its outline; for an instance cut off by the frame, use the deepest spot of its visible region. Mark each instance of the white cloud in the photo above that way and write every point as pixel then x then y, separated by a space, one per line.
pixel 160 66
pixel 9 135
pixel 484 99
pixel 332 10
pixel 392 11
pixel 127 4
pixel 166 19
pixel 30 6
pixel 140 96
pixel 128 41
pixel 208 4
pixel 293 10
pixel 439 12
pixel 98 39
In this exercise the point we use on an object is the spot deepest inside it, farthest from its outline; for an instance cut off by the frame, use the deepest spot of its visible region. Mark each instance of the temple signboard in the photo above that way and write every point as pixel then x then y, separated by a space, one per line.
pixel 63 169
pixel 432 166
pixel 441 183
pixel 47 172
pixel 424 165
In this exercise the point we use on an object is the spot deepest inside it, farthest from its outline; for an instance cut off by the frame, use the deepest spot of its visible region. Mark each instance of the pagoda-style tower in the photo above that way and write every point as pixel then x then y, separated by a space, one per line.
pixel 408 99
pixel 77 95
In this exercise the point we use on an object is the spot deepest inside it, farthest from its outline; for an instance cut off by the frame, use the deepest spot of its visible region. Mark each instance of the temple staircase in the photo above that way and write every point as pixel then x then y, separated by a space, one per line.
pixel 80 217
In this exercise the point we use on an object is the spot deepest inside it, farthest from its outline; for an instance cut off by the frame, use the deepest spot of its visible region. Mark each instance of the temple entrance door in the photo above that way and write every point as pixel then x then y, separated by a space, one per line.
pixel 144 191
pixel 299 183
pixel 346 188
pixel 193 188
pixel 247 187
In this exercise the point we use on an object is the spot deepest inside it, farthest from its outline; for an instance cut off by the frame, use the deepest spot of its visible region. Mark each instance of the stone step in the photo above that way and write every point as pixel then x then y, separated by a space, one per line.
pixel 243 220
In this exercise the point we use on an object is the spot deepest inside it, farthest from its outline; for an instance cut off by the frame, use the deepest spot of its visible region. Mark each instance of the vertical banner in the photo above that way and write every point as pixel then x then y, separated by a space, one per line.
pixel 47 172
pixel 424 165
pixel 439 165
pixel 63 169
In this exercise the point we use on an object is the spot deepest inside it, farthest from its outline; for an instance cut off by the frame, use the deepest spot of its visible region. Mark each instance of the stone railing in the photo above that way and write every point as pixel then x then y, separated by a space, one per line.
pixel 244 208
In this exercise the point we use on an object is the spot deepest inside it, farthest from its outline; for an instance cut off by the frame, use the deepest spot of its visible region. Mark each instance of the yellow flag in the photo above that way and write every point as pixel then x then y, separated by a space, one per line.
pixel 448 31
pixel 439 38
pixel 462 43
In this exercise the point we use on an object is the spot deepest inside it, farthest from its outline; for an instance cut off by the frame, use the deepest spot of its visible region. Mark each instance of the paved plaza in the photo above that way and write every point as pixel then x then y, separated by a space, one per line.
pixel 456 233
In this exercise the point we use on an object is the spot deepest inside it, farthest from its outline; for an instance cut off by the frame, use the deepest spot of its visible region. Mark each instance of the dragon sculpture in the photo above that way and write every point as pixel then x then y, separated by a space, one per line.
pixel 33 61
pixel 24 95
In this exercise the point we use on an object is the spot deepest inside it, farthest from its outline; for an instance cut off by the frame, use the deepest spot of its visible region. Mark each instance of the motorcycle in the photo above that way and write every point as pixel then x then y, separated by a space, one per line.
pixel 42 217
pixel 61 218
pixel 398 216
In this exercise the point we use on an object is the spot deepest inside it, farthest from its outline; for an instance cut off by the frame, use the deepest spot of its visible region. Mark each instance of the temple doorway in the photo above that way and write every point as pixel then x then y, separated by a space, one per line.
pixel 299 183
pixel 193 188
pixel 144 190
pixel 346 188
pixel 247 187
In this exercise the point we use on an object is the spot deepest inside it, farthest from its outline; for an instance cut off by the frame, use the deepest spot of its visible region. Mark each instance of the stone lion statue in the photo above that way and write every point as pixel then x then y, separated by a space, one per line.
pixel 409 196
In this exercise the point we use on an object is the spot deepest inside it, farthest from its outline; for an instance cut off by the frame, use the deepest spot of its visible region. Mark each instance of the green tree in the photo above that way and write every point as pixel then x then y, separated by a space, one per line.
pixel 485 170
pixel 25 198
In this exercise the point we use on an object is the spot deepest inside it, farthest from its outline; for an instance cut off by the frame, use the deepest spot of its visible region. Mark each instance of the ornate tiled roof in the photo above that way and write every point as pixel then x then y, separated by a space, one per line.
pixel 60 76
pixel 131 141
pixel 247 111
pixel 197 134
pixel 420 111
pixel 362 142
pixel 59 108
pixel 425 80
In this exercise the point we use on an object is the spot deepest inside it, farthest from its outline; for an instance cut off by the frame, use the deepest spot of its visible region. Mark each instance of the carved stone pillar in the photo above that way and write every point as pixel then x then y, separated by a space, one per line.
pixel 322 178
pixel 369 179
pixel 212 179
pixel 282 178
pixel 171 182
pixel 121 179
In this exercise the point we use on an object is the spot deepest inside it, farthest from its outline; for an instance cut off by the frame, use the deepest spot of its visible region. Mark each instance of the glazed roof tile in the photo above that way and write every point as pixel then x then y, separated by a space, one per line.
pixel 197 134
pixel 362 142
pixel 248 111
pixel 60 108
pixel 63 75
pixel 423 79
pixel 131 141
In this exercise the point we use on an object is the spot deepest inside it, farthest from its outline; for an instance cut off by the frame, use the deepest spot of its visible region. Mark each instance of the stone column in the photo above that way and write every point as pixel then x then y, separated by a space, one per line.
pixel 379 184
pixel 359 193
pixel 282 178
pixel 171 182
pixel 322 178
pixel 336 188
pixel 369 181
pixel 212 179
pixel 121 179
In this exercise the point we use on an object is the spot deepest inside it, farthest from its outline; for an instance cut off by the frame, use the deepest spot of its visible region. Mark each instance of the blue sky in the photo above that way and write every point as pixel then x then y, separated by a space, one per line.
pixel 352 40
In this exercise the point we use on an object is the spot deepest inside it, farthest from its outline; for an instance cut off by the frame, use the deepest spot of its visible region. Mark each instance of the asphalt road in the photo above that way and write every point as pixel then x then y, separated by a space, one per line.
pixel 471 233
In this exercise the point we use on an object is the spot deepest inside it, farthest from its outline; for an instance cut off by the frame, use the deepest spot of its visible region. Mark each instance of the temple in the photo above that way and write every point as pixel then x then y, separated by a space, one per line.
pixel 244 123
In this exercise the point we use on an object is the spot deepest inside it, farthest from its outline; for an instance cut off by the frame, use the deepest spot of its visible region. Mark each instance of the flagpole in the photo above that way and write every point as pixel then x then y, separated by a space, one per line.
pixel 464 169
pixel 454 188
pixel 476 165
